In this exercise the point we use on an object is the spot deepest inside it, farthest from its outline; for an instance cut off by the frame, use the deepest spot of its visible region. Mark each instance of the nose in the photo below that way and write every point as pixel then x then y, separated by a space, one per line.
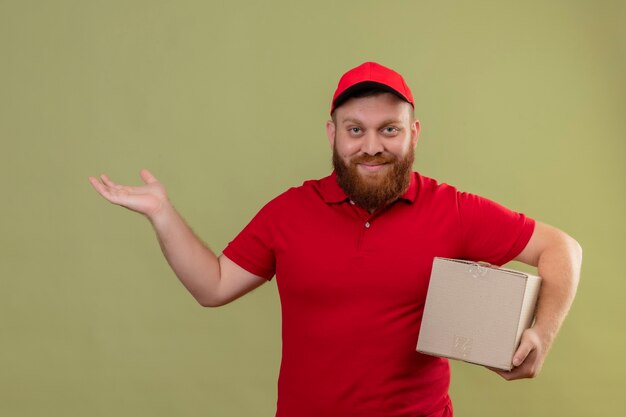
pixel 372 144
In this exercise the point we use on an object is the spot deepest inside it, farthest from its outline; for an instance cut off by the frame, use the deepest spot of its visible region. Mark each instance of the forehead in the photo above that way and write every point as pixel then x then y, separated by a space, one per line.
pixel 385 106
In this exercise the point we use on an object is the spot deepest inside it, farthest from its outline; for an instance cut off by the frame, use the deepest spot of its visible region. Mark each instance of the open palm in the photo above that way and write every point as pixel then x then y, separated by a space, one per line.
pixel 146 199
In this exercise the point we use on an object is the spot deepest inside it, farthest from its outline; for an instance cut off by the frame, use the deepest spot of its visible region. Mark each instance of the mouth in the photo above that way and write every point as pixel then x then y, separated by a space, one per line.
pixel 373 167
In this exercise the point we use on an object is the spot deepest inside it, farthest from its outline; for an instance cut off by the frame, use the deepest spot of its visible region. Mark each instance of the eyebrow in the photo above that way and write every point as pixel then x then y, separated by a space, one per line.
pixel 384 123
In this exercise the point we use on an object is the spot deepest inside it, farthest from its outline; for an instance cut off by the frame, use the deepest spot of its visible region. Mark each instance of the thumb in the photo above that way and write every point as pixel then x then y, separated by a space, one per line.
pixel 147 176
pixel 523 351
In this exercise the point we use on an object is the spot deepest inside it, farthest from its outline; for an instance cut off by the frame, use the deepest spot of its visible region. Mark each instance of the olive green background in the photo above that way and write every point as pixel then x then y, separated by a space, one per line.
pixel 522 102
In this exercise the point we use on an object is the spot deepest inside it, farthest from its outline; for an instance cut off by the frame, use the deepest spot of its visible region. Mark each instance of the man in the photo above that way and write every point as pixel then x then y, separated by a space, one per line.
pixel 352 255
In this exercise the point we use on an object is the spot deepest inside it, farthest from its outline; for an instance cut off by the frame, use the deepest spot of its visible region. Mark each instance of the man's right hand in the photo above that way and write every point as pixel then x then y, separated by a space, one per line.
pixel 147 199
pixel 211 280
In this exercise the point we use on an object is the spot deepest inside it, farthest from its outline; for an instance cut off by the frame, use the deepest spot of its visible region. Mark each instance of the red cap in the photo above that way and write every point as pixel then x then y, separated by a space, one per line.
pixel 370 74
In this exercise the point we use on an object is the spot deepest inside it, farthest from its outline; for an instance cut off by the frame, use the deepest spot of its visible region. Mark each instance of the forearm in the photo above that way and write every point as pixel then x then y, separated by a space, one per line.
pixel 194 264
pixel 559 266
pixel 558 258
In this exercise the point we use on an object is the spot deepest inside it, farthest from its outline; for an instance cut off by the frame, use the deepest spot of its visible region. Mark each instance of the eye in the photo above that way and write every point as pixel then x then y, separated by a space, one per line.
pixel 390 131
pixel 355 131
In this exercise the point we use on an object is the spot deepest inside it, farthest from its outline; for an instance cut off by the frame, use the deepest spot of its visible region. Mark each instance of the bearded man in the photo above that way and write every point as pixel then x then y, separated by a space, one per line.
pixel 352 255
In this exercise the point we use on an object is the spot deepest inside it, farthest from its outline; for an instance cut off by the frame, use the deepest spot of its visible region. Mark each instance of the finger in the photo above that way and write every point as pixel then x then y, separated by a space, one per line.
pixel 100 188
pixel 112 186
pixel 528 369
pixel 147 176
pixel 522 352
pixel 504 374
pixel 94 182
pixel 107 181
pixel 513 374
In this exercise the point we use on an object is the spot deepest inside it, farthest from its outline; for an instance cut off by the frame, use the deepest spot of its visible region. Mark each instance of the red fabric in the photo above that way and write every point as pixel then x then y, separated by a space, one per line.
pixel 372 72
pixel 352 296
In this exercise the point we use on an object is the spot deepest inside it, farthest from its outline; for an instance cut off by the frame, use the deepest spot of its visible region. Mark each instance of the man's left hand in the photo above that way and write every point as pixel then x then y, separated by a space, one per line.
pixel 528 358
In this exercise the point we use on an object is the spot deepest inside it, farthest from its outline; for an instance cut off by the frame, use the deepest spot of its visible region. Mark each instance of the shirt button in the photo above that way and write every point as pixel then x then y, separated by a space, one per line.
pixel 367 225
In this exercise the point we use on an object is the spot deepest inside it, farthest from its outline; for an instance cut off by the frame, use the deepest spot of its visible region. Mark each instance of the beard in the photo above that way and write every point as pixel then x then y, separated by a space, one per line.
pixel 378 189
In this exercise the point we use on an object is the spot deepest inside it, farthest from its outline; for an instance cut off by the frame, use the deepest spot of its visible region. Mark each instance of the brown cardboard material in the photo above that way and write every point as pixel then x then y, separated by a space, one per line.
pixel 476 312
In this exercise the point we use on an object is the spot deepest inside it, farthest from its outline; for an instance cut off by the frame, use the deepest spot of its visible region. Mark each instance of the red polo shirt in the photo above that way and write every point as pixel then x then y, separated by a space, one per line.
pixel 352 287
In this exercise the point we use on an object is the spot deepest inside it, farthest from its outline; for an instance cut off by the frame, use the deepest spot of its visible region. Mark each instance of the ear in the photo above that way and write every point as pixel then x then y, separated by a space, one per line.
pixel 415 132
pixel 330 132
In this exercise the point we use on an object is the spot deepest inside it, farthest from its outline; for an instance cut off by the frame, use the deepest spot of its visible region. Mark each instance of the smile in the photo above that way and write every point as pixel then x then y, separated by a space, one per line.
pixel 373 168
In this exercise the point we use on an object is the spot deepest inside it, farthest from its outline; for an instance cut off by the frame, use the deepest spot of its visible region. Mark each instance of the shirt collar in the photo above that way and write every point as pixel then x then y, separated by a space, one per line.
pixel 333 193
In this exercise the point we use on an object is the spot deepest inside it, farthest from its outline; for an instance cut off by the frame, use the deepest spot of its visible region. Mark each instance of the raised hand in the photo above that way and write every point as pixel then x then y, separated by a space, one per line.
pixel 147 199
pixel 212 281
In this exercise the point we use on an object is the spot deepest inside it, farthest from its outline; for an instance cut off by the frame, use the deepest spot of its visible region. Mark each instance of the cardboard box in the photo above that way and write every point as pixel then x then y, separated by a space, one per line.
pixel 477 312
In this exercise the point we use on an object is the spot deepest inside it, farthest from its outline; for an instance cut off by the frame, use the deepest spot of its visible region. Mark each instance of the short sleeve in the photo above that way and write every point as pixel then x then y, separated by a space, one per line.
pixel 491 232
pixel 252 249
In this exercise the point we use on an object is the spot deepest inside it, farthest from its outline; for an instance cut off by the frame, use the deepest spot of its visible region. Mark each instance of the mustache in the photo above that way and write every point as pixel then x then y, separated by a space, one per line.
pixel 373 159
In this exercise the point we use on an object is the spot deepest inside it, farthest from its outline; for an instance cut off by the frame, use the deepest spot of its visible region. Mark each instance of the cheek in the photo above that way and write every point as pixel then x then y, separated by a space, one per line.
pixel 402 147
pixel 346 158
pixel 346 150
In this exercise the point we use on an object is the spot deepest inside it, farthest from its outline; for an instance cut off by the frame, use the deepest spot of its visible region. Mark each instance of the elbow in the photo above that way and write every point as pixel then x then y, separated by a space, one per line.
pixel 568 246
pixel 211 301
pixel 206 303
pixel 577 260
pixel 563 251
pixel 574 254
pixel 211 304
pixel 575 250
pixel 577 253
